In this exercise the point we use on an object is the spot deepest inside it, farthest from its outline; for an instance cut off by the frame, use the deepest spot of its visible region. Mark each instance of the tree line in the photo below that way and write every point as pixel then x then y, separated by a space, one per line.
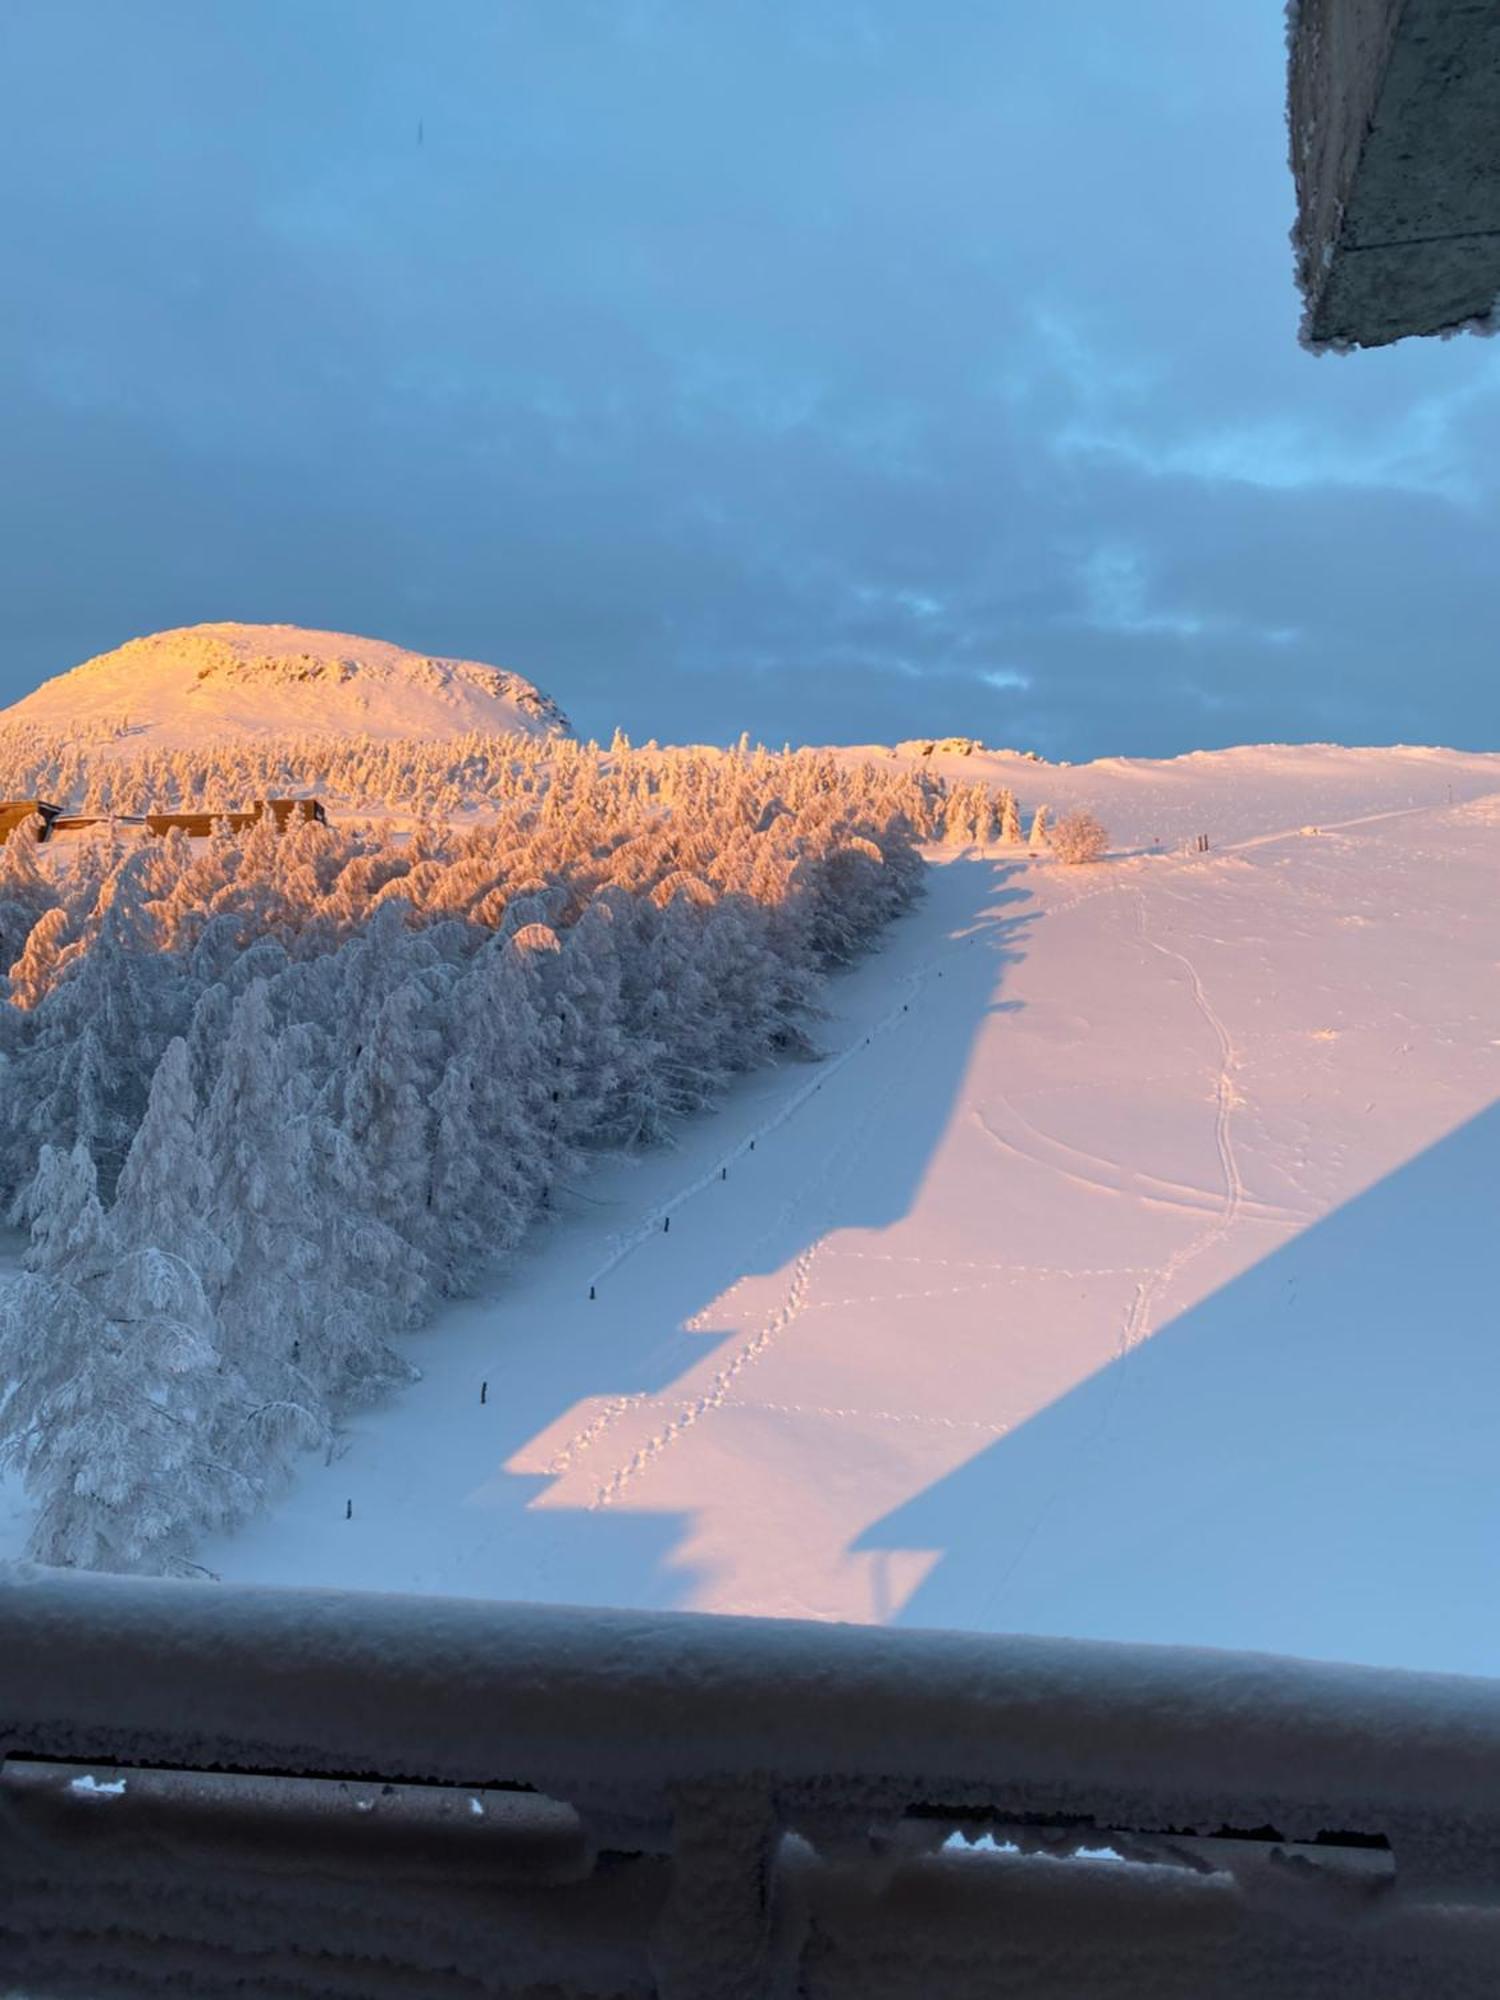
pixel 269 1097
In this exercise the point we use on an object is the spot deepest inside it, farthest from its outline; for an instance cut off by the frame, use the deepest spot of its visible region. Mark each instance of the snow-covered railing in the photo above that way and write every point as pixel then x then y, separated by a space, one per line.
pixel 286 1792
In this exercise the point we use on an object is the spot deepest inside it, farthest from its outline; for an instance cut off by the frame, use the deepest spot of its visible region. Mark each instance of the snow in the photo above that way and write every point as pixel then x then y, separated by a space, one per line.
pixel 1127 1273
pixel 222 682
pixel 90 1787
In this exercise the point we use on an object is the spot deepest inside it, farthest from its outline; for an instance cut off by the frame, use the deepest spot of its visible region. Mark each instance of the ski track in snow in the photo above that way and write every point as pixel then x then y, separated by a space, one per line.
pixel 920 1419
pixel 1006 1270
pixel 1232 1204
pixel 1105 1176
pixel 1226 1209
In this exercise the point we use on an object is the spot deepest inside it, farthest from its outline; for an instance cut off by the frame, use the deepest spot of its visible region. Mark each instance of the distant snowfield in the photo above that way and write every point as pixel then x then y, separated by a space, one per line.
pixel 1129 1269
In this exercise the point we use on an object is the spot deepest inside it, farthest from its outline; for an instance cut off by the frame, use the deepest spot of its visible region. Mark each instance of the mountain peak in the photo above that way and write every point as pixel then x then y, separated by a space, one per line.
pixel 204 683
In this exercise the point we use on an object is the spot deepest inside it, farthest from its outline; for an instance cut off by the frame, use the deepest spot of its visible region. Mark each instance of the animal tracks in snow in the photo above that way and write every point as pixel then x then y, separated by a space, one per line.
pixel 716 1395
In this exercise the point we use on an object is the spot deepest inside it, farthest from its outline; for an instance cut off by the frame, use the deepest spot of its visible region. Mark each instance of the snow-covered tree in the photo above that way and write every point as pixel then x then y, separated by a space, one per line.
pixel 1010 819
pixel 116 1386
pixel 255 1149
pixel 115 1416
pixel 163 1194
pixel 69 1238
pixel 1078 837
pixel 322 1074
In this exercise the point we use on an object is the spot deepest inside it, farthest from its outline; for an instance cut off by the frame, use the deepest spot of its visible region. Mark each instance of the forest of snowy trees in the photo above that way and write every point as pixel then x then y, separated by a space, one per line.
pixel 441 776
pixel 269 1096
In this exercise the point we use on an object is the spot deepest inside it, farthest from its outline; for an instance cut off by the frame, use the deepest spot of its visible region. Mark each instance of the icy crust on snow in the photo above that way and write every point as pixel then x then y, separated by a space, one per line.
pixel 748 1788
pixel 212 683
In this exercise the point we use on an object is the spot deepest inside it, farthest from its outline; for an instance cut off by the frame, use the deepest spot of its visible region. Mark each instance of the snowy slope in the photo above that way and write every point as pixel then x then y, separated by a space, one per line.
pixel 1228 794
pixel 1128 1271
pixel 215 683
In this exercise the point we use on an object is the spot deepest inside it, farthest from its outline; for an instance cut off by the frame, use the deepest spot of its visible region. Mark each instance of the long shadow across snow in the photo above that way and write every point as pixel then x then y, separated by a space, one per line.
pixel 823 1170
pixel 1308 1461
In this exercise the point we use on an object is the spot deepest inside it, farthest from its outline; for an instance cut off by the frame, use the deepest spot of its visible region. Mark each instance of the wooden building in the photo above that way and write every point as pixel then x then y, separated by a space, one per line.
pixel 16 813
pixel 200 824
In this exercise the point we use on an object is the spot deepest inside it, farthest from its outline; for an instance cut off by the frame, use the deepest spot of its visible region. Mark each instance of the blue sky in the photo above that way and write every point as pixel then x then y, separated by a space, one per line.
pixel 832 369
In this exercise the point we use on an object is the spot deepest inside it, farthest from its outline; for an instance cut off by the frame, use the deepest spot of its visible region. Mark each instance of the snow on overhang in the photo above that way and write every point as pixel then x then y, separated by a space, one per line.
pixel 1394 108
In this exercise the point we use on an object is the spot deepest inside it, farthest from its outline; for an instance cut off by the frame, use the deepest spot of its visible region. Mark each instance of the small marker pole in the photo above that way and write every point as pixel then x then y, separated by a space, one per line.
pixel 591 1291
pixel 666 1224
pixel 348 1510
pixel 484 1392
pixel 723 1173
pixel 752 1145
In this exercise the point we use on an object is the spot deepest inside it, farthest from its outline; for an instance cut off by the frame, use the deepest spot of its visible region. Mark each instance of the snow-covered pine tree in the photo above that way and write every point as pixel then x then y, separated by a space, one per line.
pixel 1010 819
pixel 163 1194
pixel 255 1148
pixel 115 1386
pixel 113 1421
pixel 383 1109
pixel 61 1207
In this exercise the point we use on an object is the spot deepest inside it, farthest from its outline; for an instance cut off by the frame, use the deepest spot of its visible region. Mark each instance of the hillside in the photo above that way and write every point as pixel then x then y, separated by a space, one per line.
pixel 226 682
pixel 1126 1271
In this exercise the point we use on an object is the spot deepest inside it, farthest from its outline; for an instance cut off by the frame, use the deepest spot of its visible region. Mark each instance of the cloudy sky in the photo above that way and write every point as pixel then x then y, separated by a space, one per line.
pixel 832 369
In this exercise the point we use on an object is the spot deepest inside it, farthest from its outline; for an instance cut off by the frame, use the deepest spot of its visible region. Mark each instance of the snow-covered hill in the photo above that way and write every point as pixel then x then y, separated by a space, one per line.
pixel 216 683
pixel 1128 1270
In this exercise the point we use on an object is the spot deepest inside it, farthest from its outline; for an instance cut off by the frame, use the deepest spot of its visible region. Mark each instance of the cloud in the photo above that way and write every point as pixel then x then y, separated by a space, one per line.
pixel 1281 455
pixel 722 368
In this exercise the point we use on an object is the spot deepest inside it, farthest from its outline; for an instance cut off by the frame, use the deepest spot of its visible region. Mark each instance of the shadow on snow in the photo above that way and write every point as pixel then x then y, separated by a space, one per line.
pixel 1303 1462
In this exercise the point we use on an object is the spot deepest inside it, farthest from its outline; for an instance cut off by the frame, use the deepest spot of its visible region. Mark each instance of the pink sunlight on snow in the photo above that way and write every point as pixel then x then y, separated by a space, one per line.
pixel 1121 1273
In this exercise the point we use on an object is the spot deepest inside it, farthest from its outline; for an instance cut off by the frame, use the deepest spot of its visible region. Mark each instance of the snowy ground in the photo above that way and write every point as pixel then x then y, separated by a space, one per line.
pixel 1128 1271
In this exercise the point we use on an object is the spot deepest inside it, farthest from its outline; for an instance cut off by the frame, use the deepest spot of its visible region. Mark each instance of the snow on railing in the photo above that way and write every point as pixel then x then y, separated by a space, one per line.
pixel 285 1792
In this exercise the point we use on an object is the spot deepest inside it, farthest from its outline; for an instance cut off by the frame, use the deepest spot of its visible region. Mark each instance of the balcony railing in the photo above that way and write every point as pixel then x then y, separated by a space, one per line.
pixel 279 1792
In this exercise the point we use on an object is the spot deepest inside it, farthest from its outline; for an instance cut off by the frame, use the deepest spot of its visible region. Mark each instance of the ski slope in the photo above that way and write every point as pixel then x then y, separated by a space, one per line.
pixel 1128 1269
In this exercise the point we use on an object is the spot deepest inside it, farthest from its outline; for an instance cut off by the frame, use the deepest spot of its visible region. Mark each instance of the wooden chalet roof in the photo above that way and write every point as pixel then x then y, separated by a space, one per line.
pixel 16 812
pixel 201 824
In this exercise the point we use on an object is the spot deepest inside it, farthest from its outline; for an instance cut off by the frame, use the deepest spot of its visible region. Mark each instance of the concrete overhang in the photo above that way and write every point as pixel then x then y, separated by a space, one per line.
pixel 1395 135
